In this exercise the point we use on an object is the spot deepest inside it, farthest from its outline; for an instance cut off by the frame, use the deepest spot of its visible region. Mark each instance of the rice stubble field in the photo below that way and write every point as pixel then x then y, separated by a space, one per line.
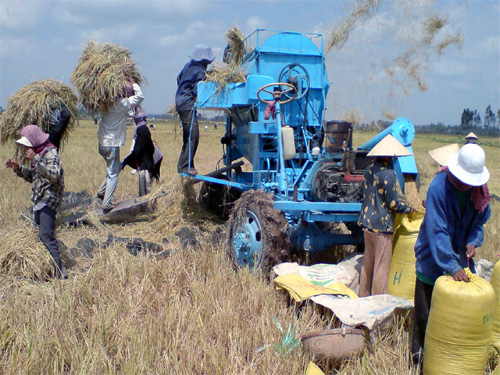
pixel 188 313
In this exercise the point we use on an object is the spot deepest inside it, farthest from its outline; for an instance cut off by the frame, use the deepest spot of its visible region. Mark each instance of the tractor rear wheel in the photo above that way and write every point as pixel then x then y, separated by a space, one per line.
pixel 257 236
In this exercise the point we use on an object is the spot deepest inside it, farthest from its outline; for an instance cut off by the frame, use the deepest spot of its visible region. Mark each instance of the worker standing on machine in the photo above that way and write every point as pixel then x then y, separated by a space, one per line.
pixel 185 98
pixel 380 203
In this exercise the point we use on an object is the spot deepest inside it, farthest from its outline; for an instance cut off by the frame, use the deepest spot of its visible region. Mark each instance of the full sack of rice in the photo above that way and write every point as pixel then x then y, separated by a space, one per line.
pixel 35 104
pixel 101 75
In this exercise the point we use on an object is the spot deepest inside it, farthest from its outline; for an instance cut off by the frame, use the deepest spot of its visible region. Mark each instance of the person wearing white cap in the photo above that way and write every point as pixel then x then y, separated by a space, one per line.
pixel 47 185
pixel 185 98
pixel 380 203
pixel 457 207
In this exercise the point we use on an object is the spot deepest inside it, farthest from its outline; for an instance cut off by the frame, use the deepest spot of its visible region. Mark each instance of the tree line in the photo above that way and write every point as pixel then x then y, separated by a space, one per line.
pixel 472 119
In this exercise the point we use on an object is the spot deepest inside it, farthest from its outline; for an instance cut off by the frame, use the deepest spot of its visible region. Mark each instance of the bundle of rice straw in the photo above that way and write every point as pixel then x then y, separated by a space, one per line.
pixel 33 104
pixel 100 75
pixel 22 254
pixel 236 48
pixel 233 58
pixel 172 111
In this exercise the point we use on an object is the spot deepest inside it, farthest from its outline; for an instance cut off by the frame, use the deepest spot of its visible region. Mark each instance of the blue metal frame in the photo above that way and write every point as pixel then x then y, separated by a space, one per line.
pixel 259 141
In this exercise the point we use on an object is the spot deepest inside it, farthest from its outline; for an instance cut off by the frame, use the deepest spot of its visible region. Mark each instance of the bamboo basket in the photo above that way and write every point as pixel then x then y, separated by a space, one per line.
pixel 335 344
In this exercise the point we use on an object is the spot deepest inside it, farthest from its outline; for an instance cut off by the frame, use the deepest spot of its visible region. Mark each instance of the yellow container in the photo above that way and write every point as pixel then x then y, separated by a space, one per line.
pixel 402 270
pixel 495 283
pixel 458 331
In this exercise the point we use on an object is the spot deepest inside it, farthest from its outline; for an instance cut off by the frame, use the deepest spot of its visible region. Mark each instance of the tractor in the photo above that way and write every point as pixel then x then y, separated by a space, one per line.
pixel 291 177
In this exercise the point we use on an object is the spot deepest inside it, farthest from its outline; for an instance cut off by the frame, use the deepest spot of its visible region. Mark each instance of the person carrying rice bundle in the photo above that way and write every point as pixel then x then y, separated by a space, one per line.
pixel 107 80
pixel 47 183
pixel 47 103
pixel 112 134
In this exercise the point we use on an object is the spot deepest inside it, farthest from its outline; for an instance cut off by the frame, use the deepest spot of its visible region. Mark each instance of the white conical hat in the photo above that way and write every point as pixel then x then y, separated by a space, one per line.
pixel 441 154
pixel 471 135
pixel 389 146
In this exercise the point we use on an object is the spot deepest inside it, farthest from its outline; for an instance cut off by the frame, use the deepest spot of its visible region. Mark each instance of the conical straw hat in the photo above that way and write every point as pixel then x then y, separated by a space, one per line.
pixel 471 135
pixel 389 146
pixel 441 154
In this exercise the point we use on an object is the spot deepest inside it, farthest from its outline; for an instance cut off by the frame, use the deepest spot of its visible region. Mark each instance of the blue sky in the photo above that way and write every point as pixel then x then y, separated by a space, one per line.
pixel 45 38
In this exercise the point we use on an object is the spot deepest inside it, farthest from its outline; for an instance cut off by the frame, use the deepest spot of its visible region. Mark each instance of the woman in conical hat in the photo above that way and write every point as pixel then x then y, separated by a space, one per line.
pixel 380 203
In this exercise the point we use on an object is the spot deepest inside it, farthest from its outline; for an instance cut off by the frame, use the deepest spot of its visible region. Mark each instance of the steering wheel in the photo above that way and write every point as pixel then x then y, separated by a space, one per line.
pixel 278 94
pixel 298 76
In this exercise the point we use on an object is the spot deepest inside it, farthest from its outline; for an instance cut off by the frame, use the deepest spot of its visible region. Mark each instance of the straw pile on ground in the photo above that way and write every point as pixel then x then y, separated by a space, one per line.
pixel 22 254
pixel 100 75
pixel 178 208
pixel 33 104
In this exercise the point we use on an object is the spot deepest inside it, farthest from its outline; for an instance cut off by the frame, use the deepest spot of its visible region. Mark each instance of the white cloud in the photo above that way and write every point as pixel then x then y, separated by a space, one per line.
pixel 19 15
pixel 450 67
pixel 491 44
pixel 15 46
pixel 192 32
pixel 255 22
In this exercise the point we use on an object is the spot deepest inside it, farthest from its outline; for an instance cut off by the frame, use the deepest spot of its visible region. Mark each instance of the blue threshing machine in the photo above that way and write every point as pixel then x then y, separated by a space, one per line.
pixel 296 189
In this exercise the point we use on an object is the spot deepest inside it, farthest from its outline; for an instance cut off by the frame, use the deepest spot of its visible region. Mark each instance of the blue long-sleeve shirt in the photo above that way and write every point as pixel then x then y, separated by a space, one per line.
pixel 445 230
pixel 192 73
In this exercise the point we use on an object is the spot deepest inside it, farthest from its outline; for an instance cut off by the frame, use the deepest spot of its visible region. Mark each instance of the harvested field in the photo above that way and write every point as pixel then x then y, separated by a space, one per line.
pixel 184 312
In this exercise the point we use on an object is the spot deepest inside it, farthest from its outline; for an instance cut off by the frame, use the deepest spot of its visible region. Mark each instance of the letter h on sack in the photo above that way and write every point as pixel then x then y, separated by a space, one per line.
pixel 396 277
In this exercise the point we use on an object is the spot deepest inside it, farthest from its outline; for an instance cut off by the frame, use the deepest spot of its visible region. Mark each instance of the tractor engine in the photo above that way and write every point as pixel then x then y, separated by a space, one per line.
pixel 331 184
pixel 340 179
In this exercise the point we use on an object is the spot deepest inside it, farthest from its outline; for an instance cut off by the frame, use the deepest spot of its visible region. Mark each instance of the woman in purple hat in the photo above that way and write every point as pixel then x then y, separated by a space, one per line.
pixel 47 185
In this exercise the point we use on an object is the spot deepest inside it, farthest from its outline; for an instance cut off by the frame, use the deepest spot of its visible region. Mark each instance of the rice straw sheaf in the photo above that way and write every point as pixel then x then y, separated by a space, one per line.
pixel 236 46
pixel 231 71
pixel 33 104
pixel 172 111
pixel 23 255
pixel 100 75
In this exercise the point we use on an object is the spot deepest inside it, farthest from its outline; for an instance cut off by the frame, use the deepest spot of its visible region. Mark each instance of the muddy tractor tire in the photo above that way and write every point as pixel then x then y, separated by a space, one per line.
pixel 257 235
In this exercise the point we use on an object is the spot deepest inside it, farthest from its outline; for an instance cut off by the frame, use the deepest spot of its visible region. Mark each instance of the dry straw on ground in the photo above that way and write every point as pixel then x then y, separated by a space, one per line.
pixel 188 313
pixel 33 104
pixel 100 75
pixel 23 255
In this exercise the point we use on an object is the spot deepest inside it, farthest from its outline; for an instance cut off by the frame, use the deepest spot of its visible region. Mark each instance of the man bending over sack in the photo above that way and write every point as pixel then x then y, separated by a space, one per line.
pixel 457 207
pixel 47 185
